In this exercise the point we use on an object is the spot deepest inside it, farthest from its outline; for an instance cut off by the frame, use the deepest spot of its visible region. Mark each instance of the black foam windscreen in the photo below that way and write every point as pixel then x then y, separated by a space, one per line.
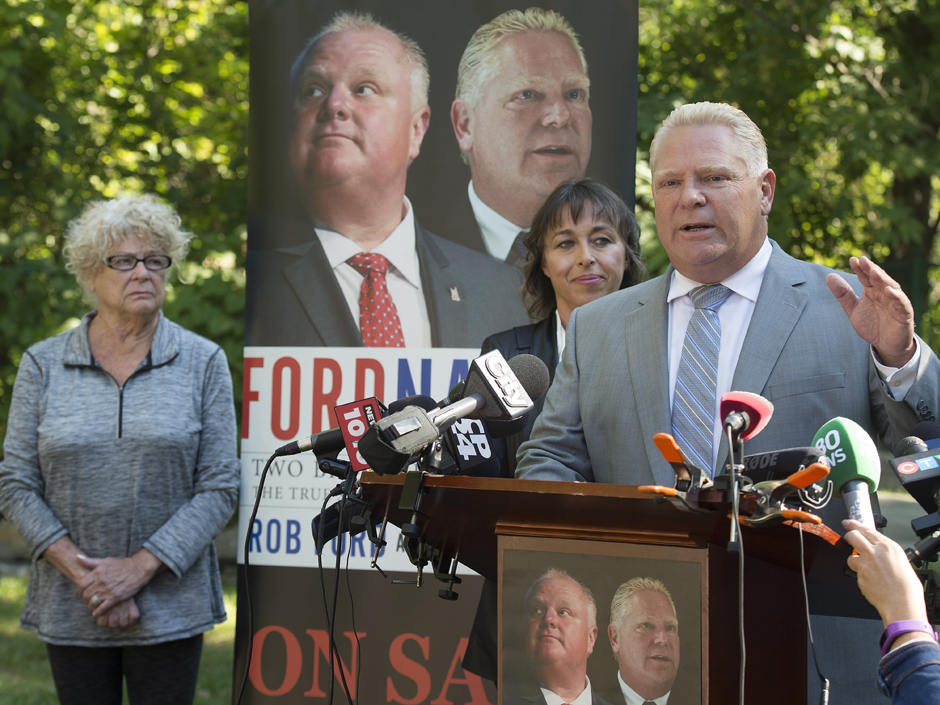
pixel 422 401
pixel 926 430
pixel 532 373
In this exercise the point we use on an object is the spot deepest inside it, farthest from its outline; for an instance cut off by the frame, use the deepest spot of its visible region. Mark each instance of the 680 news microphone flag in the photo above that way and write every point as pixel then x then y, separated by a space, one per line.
pixel 856 467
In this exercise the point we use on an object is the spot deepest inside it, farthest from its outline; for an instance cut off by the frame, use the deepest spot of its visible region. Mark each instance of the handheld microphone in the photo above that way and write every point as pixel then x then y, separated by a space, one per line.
pixel 745 413
pixel 320 443
pixel 494 389
pixel 909 445
pixel 917 465
pixel 856 468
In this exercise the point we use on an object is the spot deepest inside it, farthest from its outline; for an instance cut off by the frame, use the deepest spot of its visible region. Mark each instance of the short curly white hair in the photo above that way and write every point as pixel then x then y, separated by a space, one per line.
pixel 103 225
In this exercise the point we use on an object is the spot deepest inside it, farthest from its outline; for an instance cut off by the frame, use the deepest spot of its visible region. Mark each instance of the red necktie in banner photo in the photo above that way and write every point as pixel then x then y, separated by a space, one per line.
pixel 378 318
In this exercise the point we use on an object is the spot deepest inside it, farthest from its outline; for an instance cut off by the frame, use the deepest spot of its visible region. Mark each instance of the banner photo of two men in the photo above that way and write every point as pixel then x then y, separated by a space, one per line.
pixel 399 153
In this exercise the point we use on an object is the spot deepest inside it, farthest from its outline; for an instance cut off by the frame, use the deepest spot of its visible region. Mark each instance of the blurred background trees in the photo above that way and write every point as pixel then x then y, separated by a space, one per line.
pixel 98 98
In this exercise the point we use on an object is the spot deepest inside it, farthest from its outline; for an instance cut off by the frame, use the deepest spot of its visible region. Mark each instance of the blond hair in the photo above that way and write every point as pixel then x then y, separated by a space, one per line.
pixel 626 596
pixel 104 225
pixel 553 573
pixel 748 137
pixel 350 21
pixel 479 63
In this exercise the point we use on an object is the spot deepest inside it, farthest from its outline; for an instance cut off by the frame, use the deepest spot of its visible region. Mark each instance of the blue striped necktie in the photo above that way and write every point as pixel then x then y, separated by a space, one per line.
pixel 693 407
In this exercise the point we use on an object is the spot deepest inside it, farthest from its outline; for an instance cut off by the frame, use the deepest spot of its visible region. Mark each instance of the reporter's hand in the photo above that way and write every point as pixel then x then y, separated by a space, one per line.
pixel 885 576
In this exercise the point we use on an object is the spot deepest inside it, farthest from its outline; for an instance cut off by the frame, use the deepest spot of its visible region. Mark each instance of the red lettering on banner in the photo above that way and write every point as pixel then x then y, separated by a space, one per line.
pixel 291 666
pixel 472 681
pixel 408 668
pixel 323 398
pixel 248 395
pixel 277 384
pixel 364 365
pixel 321 641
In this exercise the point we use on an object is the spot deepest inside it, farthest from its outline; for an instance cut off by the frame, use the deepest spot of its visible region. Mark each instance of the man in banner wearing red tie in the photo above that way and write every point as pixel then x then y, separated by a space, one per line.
pixel 733 312
pixel 366 272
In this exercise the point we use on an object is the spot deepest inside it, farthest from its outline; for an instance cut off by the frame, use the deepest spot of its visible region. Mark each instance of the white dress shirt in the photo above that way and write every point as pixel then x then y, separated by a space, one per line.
pixel 403 278
pixel 498 232
pixel 560 336
pixel 631 697
pixel 735 316
pixel 584 699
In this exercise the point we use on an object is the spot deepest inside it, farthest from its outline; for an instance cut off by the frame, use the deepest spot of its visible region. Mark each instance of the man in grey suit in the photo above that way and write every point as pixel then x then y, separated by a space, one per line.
pixel 794 332
pixel 522 121
pixel 359 115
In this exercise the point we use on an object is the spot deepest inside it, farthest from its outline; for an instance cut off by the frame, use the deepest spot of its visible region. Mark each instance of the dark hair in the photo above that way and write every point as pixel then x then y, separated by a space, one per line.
pixel 574 197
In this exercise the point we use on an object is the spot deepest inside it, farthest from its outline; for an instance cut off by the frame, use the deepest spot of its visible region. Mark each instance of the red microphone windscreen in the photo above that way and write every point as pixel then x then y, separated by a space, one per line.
pixel 758 409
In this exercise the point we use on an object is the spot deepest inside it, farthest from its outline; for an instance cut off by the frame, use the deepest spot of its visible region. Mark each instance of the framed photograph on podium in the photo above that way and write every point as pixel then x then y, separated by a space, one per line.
pixel 613 614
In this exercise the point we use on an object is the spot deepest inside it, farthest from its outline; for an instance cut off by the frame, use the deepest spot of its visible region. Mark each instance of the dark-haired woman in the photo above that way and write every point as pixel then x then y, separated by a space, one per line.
pixel 584 244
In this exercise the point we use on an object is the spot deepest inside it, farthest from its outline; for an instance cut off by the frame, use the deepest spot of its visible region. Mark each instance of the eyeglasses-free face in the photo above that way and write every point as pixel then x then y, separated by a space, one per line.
pixel 125 263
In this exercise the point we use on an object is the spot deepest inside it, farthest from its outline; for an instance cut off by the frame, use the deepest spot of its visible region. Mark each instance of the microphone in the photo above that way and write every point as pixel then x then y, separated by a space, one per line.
pixel 856 468
pixel 745 413
pixel 917 466
pixel 909 445
pixel 320 443
pixel 781 464
pixel 494 389
pixel 928 431
pixel 420 400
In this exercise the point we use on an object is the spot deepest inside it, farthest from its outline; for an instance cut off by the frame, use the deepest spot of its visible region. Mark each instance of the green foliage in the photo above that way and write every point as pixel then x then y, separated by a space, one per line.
pixel 25 677
pixel 100 98
pixel 97 98
pixel 846 93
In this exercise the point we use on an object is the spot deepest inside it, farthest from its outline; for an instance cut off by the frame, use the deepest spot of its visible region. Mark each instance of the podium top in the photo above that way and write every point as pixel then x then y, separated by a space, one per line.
pixel 465 515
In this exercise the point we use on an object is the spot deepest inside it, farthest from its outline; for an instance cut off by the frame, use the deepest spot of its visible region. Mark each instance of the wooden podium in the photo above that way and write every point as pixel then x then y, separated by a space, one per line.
pixel 482 521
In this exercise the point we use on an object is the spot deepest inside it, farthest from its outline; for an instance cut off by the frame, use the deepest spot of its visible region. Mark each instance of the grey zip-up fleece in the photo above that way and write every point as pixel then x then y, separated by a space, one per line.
pixel 152 464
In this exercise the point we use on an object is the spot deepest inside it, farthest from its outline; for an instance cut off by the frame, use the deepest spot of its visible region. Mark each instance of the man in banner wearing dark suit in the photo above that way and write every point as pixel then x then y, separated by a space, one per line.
pixel 796 333
pixel 561 628
pixel 644 636
pixel 522 121
pixel 367 273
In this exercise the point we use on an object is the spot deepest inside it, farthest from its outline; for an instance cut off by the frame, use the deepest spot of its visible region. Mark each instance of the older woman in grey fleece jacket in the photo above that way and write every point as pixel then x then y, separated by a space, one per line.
pixel 119 469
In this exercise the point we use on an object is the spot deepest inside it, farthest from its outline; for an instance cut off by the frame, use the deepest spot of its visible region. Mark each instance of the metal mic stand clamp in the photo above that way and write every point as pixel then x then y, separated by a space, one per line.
pixel 689 479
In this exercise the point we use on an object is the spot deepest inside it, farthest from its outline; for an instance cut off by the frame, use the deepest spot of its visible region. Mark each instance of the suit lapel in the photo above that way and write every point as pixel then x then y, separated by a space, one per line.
pixel 779 306
pixel 320 295
pixel 647 362
pixel 446 309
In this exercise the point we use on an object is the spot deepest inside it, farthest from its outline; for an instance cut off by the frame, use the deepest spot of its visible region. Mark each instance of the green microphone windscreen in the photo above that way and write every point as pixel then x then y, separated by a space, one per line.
pixel 851 451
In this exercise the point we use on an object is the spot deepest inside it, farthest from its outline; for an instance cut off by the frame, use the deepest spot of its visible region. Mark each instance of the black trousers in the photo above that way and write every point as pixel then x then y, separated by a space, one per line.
pixel 160 673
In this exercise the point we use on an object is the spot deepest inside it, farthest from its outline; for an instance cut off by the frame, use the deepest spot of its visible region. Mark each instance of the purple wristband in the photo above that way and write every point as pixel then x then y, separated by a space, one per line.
pixel 904 626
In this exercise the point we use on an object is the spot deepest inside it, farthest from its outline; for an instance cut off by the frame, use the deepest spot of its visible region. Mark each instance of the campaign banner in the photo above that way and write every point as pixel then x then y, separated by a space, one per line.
pixel 396 162
pixel 292 392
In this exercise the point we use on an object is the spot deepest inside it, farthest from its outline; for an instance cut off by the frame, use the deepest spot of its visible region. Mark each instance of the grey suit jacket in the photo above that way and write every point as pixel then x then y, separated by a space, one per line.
pixel 610 393
pixel 293 298
pixel 610 396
